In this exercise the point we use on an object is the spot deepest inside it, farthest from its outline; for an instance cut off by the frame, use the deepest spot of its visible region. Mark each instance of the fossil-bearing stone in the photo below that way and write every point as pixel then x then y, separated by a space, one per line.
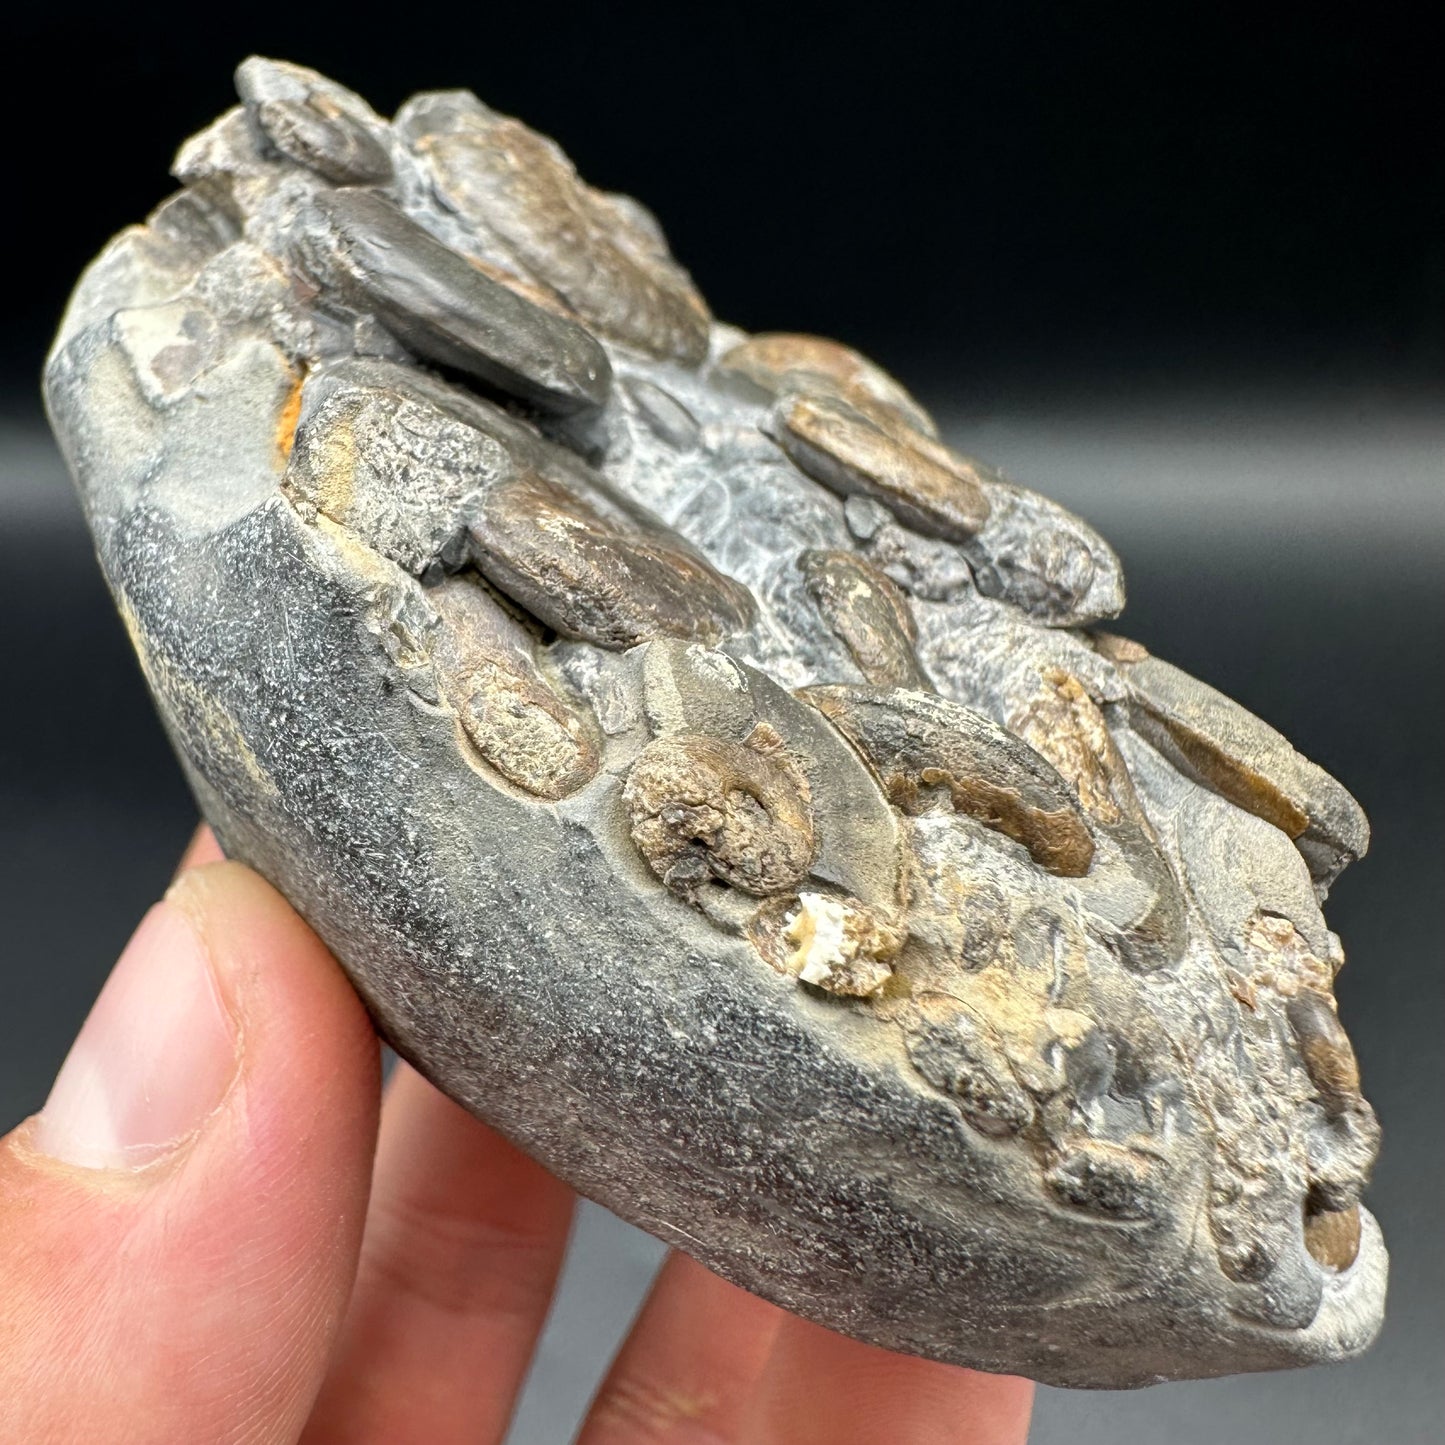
pixel 706 775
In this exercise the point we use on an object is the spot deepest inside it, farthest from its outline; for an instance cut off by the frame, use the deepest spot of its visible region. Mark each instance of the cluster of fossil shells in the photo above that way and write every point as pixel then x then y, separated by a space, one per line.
pixel 716 657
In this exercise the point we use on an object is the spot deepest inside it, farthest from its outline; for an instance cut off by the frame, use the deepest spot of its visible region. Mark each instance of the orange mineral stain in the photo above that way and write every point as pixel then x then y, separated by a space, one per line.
pixel 288 418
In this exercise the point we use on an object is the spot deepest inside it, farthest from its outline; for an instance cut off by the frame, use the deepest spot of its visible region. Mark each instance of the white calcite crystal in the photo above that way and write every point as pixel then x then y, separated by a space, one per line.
pixel 838 947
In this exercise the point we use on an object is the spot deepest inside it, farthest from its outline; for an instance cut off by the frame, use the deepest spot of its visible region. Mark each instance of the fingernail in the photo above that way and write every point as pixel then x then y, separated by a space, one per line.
pixel 152 1062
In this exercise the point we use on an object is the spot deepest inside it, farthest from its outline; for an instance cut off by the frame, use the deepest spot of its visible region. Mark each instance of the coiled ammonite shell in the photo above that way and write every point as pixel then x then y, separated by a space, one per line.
pixel 707 775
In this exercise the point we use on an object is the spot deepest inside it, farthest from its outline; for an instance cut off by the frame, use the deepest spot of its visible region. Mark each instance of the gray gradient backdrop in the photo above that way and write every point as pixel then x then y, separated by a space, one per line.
pixel 1283 540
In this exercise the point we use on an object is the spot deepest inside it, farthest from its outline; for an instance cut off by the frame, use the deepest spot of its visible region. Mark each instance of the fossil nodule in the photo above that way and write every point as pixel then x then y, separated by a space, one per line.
pixel 707 775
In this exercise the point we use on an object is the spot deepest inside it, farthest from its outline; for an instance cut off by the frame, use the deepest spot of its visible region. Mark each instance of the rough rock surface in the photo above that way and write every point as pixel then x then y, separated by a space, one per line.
pixel 709 777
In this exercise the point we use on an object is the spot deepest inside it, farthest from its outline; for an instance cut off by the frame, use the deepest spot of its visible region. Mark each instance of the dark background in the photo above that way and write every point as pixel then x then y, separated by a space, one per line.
pixel 960 185
pixel 1179 266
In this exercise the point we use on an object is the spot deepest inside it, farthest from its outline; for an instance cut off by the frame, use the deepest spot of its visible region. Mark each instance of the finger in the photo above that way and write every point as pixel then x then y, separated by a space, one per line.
pixel 463 1242
pixel 179 1225
pixel 202 849
pixel 820 1388
pixel 688 1369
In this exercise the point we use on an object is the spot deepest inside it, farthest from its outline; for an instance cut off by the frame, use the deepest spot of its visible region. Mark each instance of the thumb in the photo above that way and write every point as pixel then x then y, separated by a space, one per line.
pixel 179 1225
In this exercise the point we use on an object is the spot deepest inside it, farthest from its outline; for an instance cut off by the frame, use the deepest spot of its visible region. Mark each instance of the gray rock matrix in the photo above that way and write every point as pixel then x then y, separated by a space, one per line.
pixel 707 776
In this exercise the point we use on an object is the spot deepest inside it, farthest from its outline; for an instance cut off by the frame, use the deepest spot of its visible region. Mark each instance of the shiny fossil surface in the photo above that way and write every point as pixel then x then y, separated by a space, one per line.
pixel 707 775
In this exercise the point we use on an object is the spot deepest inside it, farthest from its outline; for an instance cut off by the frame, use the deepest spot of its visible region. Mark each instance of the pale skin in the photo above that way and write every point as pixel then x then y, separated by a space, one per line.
pixel 268 1249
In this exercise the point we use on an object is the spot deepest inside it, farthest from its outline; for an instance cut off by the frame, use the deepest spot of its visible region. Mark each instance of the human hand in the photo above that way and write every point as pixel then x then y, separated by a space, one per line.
pixel 216 1231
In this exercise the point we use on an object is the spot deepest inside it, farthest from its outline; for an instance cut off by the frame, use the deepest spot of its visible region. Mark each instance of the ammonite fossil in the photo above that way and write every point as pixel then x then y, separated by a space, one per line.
pixel 707 775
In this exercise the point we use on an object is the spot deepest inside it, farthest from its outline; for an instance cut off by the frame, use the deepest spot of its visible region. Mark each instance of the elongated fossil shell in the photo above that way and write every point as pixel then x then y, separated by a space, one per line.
pixel 706 774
